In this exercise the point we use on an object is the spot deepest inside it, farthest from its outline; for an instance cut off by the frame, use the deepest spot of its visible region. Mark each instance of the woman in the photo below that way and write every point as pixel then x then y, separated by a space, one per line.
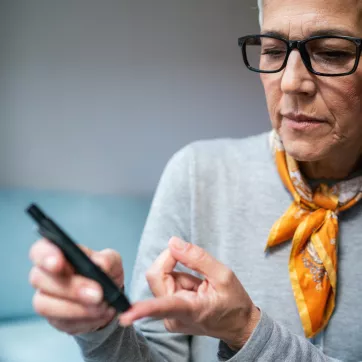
pixel 294 192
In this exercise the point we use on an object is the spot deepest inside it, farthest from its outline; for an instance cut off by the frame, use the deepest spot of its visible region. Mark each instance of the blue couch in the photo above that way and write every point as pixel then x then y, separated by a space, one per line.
pixel 98 221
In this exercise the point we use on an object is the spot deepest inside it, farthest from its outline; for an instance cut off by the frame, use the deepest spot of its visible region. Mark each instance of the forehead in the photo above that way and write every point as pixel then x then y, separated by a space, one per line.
pixel 301 18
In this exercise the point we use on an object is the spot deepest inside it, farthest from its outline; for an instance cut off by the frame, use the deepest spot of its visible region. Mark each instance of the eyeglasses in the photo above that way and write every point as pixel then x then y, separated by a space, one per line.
pixel 322 55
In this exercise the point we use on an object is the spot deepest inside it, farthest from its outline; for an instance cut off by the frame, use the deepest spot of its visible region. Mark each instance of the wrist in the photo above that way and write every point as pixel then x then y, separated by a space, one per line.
pixel 248 330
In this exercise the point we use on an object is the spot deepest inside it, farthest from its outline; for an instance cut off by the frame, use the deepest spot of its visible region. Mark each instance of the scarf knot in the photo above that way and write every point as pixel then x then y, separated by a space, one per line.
pixel 326 198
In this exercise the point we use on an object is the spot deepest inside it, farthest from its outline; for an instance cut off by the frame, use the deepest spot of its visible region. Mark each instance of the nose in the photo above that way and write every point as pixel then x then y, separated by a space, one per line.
pixel 296 79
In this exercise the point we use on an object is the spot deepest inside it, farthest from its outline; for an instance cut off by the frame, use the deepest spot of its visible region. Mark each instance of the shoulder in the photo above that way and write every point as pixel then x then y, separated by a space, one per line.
pixel 215 161
pixel 222 149
pixel 252 147
pixel 225 153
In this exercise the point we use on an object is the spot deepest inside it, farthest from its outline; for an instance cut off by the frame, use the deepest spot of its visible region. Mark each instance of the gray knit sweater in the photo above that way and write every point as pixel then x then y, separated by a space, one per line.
pixel 224 195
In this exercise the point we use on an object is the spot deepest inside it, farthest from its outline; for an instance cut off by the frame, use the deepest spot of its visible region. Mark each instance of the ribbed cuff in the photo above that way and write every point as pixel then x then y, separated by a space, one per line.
pixel 100 335
pixel 255 344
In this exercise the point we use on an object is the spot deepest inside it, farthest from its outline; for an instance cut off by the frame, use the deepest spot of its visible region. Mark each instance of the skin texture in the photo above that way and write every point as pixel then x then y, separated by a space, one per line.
pixel 332 150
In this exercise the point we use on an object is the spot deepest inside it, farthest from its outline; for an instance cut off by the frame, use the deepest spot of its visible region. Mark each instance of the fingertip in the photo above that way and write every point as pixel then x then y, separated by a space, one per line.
pixel 36 249
pixel 177 243
pixel 44 247
pixel 124 320
pixel 103 260
pixel 56 264
pixel 92 294
pixel 51 263
pixel 47 256
pixel 174 239
pixel 98 259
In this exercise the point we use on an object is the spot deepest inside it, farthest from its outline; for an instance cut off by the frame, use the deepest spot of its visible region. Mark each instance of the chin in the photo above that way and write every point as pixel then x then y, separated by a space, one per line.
pixel 303 152
pixel 304 149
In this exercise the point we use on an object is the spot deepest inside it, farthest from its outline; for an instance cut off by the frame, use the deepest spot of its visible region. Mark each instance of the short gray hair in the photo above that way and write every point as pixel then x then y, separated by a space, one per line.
pixel 260 6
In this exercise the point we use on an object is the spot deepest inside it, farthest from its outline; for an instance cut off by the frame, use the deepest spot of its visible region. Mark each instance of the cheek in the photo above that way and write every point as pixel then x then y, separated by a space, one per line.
pixel 273 97
pixel 343 101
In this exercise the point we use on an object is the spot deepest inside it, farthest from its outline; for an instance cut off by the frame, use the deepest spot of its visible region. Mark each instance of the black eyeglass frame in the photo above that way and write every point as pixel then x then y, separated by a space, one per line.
pixel 300 45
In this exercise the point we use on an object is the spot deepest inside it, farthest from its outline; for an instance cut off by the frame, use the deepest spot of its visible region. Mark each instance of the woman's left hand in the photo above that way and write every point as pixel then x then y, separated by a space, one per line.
pixel 216 306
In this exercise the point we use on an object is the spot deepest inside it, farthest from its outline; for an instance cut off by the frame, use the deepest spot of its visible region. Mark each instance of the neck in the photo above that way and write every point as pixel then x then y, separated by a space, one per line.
pixel 334 169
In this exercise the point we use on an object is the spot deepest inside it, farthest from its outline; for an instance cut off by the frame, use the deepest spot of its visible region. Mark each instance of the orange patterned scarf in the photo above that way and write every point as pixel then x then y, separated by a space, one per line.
pixel 312 222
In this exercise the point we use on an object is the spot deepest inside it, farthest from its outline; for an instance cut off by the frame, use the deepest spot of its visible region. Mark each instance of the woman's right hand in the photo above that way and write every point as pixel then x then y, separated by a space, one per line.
pixel 70 302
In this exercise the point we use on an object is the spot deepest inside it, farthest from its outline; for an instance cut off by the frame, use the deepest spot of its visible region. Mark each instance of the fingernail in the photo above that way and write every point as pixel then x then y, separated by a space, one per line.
pixel 91 295
pixel 178 244
pixel 50 262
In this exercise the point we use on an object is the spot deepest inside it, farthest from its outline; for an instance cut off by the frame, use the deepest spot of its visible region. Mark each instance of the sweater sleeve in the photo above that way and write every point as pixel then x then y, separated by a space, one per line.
pixel 271 342
pixel 148 340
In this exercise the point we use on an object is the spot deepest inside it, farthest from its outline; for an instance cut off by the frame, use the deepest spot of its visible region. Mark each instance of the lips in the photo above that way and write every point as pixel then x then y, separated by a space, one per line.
pixel 302 122
pixel 301 118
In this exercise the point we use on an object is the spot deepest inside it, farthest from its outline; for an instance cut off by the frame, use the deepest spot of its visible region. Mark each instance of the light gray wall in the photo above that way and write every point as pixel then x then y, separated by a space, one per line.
pixel 97 95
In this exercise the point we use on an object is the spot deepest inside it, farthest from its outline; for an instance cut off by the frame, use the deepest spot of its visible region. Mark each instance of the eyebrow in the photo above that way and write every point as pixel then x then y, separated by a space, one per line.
pixel 327 32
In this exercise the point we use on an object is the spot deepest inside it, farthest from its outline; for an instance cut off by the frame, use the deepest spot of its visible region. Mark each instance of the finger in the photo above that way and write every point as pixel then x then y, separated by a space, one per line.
pixel 48 256
pixel 157 274
pixel 159 308
pixel 51 307
pixel 197 259
pixel 74 288
pixel 111 263
pixel 186 281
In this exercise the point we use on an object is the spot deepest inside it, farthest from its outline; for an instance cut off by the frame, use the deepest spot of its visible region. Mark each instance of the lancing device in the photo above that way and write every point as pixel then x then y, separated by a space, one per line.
pixel 78 259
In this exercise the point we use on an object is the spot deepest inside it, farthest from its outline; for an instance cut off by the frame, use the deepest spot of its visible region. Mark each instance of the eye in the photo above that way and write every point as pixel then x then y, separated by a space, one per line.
pixel 335 54
pixel 274 53
pixel 333 57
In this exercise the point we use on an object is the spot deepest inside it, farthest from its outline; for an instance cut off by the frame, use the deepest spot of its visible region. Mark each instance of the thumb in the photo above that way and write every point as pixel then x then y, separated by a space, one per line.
pixel 197 259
